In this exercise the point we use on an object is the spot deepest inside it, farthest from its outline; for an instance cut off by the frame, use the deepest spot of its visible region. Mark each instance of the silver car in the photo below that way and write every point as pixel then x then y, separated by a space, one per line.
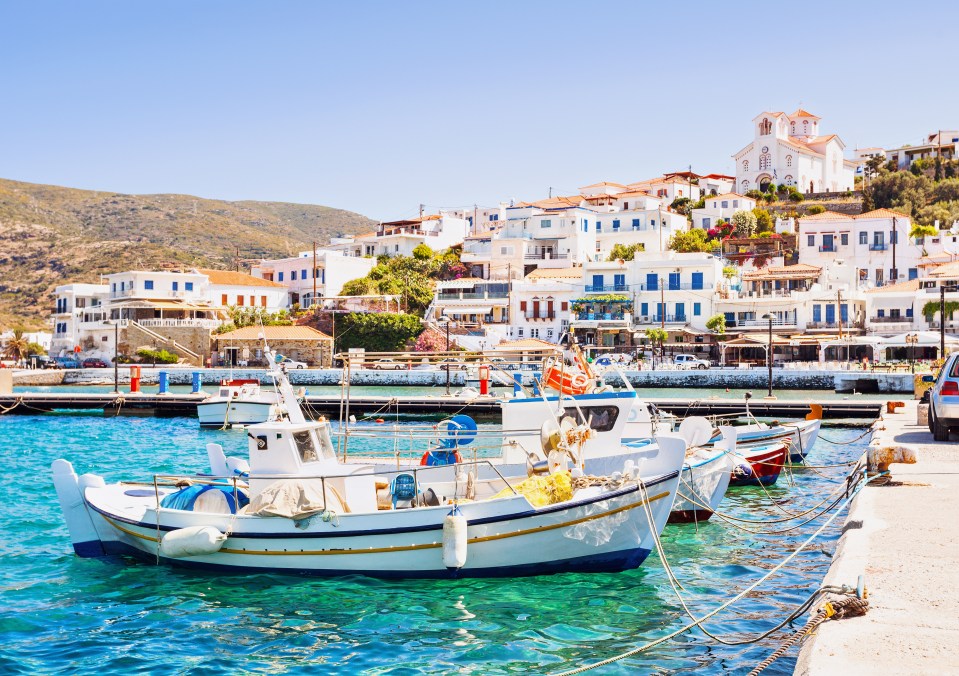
pixel 944 399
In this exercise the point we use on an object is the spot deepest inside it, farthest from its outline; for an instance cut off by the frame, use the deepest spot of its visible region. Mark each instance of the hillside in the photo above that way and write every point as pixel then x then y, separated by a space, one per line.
pixel 51 235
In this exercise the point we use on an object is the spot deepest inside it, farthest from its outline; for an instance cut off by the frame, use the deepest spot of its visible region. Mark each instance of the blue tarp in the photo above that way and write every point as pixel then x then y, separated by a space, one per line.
pixel 185 498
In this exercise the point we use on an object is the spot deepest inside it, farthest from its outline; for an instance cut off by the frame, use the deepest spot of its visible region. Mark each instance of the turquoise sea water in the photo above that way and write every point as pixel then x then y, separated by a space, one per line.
pixel 62 614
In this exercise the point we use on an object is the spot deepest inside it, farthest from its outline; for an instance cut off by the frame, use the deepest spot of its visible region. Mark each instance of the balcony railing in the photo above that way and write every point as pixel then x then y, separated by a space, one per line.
pixel 545 317
pixel 599 288
pixel 828 248
pixel 891 320
pixel 600 316
pixel 687 286
pixel 546 256
pixel 877 246
pixel 177 323
pixel 762 323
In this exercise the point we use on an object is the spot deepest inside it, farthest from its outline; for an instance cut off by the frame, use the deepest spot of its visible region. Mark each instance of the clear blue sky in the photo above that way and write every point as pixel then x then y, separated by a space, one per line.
pixel 376 107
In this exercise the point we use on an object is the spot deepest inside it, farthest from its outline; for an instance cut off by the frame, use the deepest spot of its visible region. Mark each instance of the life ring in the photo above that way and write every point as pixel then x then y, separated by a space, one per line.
pixel 437 458
pixel 579 381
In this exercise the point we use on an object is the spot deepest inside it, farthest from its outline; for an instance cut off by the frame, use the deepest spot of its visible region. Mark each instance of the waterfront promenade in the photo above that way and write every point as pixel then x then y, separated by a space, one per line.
pixel 904 538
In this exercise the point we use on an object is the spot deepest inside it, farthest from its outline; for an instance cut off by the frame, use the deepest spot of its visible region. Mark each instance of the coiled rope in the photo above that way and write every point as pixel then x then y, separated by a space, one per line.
pixel 727 604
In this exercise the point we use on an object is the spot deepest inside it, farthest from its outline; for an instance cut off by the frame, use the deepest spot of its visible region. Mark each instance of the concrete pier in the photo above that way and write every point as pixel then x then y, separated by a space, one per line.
pixel 904 538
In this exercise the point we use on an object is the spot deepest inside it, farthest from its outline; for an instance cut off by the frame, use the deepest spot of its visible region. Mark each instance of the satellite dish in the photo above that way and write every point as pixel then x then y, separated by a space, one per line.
pixel 696 430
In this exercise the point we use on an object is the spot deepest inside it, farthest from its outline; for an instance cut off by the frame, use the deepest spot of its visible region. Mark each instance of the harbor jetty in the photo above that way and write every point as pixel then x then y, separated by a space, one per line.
pixel 902 538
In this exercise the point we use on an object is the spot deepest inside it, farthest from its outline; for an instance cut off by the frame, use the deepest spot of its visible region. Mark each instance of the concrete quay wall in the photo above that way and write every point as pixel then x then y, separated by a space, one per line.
pixel 841 381
pixel 305 377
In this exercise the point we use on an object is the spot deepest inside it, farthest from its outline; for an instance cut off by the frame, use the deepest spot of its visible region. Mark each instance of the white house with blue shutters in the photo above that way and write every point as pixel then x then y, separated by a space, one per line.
pixel 331 270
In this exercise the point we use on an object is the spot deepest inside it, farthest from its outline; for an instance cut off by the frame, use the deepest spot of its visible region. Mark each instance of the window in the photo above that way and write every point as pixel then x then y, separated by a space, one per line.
pixel 895 312
pixel 546 223
pixel 616 224
pixel 673 281
pixel 263 301
pixel 619 282
pixel 680 312
pixel 522 306
pixel 564 306
pixel 652 282
pixel 745 165
pixel 697 309
pixel 810 240
pixel 894 237
pixel 293 275
pixel 635 224
pixel 598 282
pixel 188 286
pixel 652 223
pixel 789 160
pixel 224 300
pixel 765 127
pixel 176 286
pixel 909 312
pixel 864 238
pixel 789 180
pixel 792 127
pixel 599 226
pixel 304 444
pixel 519 332
pixel 880 313
pixel 279 276
pixel 625 206
pixel 830 314
pixel 697 281
pixel 396 248
pixel 644 309
pixel 725 204
pixel 878 238
pixel 534 333
pixel 549 334
pixel 600 418
pixel 239 300
pixel 817 313
pixel 913 273
pixel 303 274
pixel 585 225
pixel 148 284
pixel 844 238
pixel 504 251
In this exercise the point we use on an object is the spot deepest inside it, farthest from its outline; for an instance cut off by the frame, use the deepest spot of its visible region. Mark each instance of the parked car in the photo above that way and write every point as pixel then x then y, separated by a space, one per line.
pixel 40 361
pixel 452 364
pixel 293 364
pixel 67 363
pixel 944 399
pixel 94 363
pixel 387 365
pixel 689 361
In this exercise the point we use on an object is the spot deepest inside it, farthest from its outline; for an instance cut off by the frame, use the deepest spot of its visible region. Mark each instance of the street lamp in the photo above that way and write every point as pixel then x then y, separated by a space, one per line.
pixel 769 354
pixel 116 353
pixel 445 319
pixel 911 340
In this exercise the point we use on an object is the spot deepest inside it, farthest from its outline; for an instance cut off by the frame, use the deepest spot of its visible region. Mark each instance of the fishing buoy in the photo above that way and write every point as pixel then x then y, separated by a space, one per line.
pixel 191 541
pixel 454 539
pixel 744 470
pixel 380 421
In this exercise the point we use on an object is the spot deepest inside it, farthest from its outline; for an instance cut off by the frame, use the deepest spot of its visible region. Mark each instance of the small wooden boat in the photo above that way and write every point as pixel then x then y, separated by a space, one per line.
pixel 702 485
pixel 758 465
pixel 238 401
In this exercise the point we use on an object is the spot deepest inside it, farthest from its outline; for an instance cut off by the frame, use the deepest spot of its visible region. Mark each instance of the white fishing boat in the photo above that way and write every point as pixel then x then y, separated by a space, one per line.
pixel 297 508
pixel 239 402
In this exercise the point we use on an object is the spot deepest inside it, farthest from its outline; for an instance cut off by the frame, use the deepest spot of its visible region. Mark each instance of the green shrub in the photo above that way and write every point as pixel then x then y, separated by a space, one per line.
pixel 796 196
pixel 158 356
pixel 815 209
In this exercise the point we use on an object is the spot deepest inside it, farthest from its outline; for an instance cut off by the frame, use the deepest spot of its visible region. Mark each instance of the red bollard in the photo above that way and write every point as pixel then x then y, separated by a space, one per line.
pixel 484 379
pixel 134 379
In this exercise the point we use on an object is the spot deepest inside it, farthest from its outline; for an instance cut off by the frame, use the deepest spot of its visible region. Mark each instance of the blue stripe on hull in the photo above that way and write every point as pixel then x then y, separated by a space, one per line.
pixel 614 562
pixel 755 481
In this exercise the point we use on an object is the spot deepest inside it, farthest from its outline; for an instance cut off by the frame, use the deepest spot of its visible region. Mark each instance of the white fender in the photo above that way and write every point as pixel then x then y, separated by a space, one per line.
pixel 83 533
pixel 454 539
pixel 191 541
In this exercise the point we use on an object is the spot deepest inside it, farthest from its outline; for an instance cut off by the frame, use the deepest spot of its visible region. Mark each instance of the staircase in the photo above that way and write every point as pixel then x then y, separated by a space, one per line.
pixel 169 343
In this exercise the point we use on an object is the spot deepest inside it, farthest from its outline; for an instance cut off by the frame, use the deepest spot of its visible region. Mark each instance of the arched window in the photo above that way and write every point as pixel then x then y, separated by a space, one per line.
pixel 792 127
pixel 745 186
pixel 789 180
pixel 745 165
pixel 805 126
pixel 765 127
pixel 765 162
pixel 789 160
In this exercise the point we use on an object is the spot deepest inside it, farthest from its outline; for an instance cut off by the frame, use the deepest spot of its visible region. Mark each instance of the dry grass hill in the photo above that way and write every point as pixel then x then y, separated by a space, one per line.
pixel 51 235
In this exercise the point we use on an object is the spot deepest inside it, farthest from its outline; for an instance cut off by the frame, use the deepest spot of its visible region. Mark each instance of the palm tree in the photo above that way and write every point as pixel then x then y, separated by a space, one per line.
pixel 18 346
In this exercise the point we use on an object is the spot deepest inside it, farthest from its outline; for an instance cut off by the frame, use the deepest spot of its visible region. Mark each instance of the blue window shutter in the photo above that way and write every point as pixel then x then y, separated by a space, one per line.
pixel 913 273
pixel 176 286
pixel 615 224
pixel 909 312
pixel 880 313
pixel 844 312
pixel 680 311
pixel 303 274
pixel 635 224
pixel 599 226
pixel 652 282
pixel 644 309
pixel 697 309
pixel 597 282
pixel 817 313
pixel 697 280
pixel 674 281
pixel 189 286
pixel 620 282
pixel 731 317
pixel 830 314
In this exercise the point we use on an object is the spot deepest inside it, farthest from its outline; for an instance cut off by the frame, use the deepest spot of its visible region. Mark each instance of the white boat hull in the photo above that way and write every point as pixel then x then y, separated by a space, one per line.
pixel 703 485
pixel 234 412
pixel 595 531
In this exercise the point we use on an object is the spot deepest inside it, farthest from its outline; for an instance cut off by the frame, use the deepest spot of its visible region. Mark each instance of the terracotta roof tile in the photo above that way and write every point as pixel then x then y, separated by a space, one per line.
pixel 799 112
pixel 883 213
pixel 911 285
pixel 828 216
pixel 231 278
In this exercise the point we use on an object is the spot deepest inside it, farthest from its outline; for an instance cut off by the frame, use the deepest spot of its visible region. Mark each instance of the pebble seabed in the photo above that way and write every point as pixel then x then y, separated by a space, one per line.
pixel 62 614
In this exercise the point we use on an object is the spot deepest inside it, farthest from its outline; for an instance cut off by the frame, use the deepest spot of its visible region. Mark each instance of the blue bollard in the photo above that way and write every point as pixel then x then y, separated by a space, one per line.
pixel 196 382
pixel 517 384
pixel 164 382
pixel 536 376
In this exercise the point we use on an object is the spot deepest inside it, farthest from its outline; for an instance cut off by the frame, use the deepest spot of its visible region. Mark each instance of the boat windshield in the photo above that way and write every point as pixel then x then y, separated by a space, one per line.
pixel 305 446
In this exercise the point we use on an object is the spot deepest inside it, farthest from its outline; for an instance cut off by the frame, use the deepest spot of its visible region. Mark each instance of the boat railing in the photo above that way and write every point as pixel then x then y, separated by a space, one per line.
pixel 240 482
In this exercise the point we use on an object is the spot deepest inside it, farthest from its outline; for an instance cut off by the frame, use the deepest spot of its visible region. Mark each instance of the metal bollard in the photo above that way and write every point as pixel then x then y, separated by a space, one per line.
pixel 517 384
pixel 536 376
pixel 164 380
pixel 196 382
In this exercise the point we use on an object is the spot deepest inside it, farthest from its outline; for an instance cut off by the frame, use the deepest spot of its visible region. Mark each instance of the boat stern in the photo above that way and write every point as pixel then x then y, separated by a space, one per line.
pixel 83 533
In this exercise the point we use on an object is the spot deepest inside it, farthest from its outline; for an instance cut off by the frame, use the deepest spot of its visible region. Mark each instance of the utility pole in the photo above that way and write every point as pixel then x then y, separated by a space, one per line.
pixel 313 301
pixel 895 239
pixel 839 311
pixel 237 259
pixel 421 211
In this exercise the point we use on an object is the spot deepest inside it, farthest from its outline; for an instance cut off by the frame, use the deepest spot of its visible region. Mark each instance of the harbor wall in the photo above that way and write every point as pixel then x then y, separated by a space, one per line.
pixel 845 381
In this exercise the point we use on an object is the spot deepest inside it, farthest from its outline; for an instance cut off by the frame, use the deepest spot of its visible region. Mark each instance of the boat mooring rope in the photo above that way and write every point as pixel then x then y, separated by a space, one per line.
pixel 698 622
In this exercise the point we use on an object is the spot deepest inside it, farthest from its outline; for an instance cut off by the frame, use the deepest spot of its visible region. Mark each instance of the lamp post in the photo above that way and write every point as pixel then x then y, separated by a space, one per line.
pixel 116 353
pixel 911 340
pixel 769 355
pixel 445 319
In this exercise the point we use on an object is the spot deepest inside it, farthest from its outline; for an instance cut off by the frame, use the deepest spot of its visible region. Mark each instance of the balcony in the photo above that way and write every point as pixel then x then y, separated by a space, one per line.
pixel 877 246
pixel 530 317
pixel 600 316
pixel 546 256
pixel 827 248
pixel 764 323
pixel 180 323
pixel 688 286
pixel 660 319
pixel 890 320
pixel 600 288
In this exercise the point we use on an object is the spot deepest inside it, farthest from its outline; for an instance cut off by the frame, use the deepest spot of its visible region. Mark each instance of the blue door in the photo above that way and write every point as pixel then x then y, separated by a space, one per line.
pixel 597 282
pixel 644 309
pixel 697 280
pixel 817 313
pixel 660 311
pixel 674 281
pixel 844 312
pixel 652 282
pixel 619 281
pixel 830 314
pixel 680 312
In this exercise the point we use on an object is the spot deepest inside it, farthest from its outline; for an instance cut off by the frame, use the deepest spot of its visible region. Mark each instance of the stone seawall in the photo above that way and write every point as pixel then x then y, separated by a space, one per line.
pixel 833 381
pixel 38 377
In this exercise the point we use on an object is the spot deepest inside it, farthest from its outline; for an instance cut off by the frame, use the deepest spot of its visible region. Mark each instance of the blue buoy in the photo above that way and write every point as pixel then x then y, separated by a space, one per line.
pixel 196 381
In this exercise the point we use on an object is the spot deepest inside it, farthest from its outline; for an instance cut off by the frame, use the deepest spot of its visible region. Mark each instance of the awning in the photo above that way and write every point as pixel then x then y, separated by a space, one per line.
pixel 165 305
pixel 468 310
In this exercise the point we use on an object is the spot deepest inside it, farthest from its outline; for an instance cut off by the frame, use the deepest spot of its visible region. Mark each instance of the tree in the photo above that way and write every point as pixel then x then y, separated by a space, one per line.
pixel 717 324
pixel 900 190
pixel 946 190
pixel 17 346
pixel 764 220
pixel 681 205
pixel 938 172
pixel 657 336
pixel 745 223
pixel 874 165
pixel 918 231
pixel 946 213
pixel 376 332
pixel 431 340
pixel 729 271
pixel 771 188
pixel 422 252
pixel 624 252
pixel 690 241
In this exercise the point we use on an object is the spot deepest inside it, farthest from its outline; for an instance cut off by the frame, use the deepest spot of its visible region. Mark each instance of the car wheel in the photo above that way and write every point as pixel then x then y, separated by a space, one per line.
pixel 702 367
pixel 940 431
pixel 929 419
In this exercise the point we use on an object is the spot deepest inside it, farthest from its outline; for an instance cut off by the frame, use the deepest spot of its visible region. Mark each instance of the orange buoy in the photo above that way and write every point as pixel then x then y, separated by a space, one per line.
pixel 380 421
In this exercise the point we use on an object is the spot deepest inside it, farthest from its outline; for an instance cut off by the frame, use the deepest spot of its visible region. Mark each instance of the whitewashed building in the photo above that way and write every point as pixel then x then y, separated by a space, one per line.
pixel 76 305
pixel 399 238
pixel 539 303
pixel 791 150
pixel 720 208
pixel 330 269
